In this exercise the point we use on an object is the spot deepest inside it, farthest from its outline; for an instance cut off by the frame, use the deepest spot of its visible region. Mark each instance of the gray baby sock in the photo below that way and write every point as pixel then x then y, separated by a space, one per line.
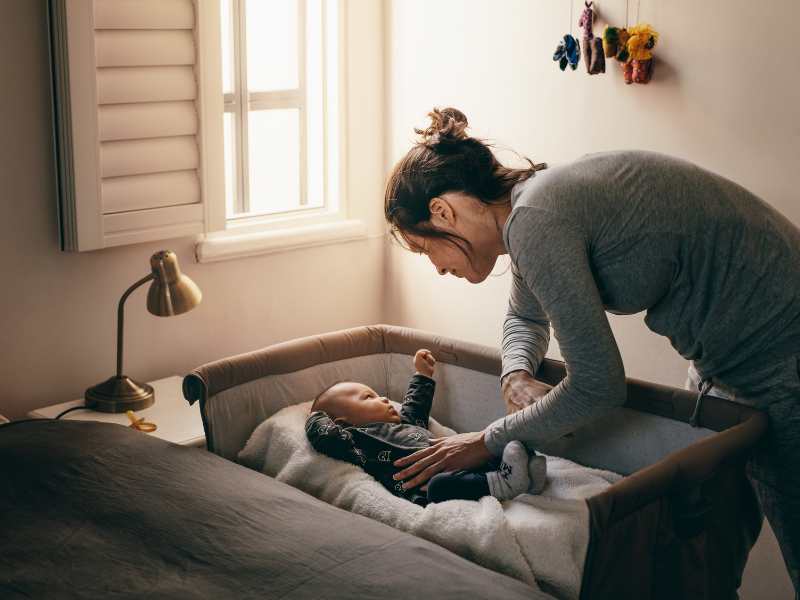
pixel 537 471
pixel 511 478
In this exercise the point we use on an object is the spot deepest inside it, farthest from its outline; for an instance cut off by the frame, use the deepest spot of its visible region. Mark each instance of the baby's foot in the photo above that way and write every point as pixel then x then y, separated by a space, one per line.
pixel 537 471
pixel 511 478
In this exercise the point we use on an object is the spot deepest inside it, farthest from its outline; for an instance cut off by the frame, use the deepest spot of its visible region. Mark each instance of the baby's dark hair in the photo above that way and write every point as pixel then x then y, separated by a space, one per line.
pixel 322 393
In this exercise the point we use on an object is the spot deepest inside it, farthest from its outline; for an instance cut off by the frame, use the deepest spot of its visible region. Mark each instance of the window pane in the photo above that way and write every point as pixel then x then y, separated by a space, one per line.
pixel 271 45
pixel 230 165
pixel 226 24
pixel 315 188
pixel 274 143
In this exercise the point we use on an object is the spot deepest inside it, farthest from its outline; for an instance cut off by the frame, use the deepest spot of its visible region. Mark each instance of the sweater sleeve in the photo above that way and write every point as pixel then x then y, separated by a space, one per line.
pixel 332 440
pixel 526 330
pixel 418 401
pixel 552 258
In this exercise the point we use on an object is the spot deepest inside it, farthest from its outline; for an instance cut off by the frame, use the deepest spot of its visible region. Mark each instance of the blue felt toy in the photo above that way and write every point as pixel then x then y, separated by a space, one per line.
pixel 568 52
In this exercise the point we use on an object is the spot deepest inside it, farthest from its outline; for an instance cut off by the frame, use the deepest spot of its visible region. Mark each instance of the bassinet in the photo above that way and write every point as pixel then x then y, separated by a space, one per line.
pixel 679 525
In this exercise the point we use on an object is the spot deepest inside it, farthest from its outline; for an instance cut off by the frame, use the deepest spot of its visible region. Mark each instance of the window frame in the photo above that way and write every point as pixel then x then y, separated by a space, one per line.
pixel 294 98
pixel 347 219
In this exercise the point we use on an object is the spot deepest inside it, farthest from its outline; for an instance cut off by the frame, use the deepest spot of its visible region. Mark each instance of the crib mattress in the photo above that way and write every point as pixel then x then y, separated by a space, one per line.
pixel 96 510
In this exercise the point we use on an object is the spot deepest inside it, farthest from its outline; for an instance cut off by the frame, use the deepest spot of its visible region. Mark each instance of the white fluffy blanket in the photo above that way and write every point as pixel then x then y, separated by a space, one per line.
pixel 540 540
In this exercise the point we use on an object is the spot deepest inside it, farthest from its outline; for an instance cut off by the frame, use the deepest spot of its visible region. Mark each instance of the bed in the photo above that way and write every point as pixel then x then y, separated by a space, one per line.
pixel 679 524
pixel 97 510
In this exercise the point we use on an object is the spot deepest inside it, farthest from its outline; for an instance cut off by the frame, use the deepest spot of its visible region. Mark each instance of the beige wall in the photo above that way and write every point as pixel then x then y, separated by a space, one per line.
pixel 59 309
pixel 721 97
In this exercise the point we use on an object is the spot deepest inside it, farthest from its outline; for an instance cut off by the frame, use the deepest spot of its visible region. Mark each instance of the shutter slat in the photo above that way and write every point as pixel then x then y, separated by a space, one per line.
pixel 139 192
pixel 146 120
pixel 135 157
pixel 135 48
pixel 157 217
pixel 143 14
pixel 143 84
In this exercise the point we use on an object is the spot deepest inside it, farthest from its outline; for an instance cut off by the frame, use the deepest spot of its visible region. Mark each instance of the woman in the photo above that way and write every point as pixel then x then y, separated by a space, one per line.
pixel 716 269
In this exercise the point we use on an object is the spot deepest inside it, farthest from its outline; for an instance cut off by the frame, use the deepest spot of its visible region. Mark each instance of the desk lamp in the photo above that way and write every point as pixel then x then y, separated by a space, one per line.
pixel 171 293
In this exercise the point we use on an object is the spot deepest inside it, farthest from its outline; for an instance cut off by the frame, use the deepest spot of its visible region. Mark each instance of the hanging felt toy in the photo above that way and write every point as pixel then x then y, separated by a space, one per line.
pixel 568 52
pixel 642 40
pixel 614 40
pixel 591 46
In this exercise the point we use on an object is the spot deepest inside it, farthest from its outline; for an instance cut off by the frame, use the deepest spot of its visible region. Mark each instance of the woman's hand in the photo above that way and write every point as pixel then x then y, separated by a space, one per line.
pixel 463 451
pixel 424 362
pixel 520 389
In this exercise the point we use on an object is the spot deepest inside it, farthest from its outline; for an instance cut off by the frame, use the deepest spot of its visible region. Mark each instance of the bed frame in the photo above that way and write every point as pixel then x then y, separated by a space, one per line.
pixel 679 525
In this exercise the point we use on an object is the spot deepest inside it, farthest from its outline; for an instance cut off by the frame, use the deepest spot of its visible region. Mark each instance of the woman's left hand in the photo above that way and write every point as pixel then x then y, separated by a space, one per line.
pixel 458 452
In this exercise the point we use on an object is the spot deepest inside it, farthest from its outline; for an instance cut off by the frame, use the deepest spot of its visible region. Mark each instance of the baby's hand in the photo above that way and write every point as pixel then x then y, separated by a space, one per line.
pixel 424 362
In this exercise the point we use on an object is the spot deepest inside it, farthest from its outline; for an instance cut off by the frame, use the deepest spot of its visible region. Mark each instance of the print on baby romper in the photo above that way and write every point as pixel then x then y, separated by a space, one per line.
pixel 385 456
pixel 398 487
pixel 420 423
pixel 360 455
pixel 504 470
pixel 416 436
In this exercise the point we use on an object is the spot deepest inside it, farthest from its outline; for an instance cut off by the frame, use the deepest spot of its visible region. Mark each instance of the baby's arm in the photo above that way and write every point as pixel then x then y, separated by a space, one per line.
pixel 330 439
pixel 419 397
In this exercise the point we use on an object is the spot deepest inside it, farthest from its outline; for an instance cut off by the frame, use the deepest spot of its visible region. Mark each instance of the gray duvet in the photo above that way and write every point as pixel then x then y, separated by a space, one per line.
pixel 93 510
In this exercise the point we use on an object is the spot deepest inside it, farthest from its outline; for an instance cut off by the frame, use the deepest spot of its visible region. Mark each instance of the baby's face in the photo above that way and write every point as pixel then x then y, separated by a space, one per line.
pixel 357 404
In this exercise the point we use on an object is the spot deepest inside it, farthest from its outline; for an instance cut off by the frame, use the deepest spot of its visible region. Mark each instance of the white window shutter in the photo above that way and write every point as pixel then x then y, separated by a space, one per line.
pixel 138 115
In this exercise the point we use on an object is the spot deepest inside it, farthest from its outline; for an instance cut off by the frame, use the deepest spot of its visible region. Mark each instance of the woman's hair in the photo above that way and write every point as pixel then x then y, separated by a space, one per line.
pixel 445 159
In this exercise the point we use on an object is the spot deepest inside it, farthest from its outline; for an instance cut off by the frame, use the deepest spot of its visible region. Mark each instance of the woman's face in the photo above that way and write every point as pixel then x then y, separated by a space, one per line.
pixel 463 216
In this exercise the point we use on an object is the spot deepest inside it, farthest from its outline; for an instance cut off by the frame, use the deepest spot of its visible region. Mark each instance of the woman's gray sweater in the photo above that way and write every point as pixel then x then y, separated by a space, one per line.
pixel 716 269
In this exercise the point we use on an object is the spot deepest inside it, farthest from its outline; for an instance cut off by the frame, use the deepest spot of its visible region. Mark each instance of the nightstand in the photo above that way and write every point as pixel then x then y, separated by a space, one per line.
pixel 177 421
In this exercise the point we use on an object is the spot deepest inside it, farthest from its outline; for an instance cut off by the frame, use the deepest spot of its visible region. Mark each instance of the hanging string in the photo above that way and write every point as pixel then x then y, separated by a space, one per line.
pixel 571 4
pixel 626 14
pixel 638 6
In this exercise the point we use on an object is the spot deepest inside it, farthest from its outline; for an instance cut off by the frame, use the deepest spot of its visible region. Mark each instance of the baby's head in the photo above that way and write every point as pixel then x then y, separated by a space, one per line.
pixel 356 404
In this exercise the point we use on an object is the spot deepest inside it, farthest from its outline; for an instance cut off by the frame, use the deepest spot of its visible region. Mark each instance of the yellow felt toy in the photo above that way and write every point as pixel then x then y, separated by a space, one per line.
pixel 637 55
pixel 642 39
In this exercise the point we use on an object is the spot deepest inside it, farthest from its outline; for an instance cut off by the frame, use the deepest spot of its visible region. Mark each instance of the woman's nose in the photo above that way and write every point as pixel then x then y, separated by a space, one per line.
pixel 441 270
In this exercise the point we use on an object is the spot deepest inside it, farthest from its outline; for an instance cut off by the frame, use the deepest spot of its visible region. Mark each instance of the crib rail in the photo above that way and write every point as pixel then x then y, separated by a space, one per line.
pixel 207 381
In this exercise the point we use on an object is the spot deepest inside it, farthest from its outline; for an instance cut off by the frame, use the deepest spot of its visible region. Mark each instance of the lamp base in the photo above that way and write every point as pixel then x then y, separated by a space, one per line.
pixel 118 394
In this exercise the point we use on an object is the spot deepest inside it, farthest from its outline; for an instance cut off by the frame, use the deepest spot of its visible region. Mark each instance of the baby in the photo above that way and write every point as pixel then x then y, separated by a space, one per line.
pixel 351 422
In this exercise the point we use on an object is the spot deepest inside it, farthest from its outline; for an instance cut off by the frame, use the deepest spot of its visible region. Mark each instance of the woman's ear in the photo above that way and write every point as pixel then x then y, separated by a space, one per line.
pixel 442 214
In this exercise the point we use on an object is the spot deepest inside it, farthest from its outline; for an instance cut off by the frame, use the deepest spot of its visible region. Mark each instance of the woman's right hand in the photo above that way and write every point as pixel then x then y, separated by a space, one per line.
pixel 520 390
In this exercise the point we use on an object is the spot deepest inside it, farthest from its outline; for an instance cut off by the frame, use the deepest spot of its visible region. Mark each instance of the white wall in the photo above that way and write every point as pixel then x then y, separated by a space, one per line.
pixel 58 310
pixel 725 95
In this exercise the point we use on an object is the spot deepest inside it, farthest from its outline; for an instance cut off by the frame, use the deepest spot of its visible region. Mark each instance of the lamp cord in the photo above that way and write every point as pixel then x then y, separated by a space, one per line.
pixel 63 412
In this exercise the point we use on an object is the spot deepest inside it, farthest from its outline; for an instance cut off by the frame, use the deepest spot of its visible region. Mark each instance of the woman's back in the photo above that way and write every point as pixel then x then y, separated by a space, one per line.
pixel 716 268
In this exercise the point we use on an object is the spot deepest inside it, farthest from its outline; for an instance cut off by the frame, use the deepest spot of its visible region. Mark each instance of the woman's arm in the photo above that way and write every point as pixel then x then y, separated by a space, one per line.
pixel 553 259
pixel 526 336
pixel 526 330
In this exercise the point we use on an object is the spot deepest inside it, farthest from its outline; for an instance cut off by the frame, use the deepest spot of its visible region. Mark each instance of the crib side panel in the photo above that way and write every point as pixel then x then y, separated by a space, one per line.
pixel 233 414
pixel 623 441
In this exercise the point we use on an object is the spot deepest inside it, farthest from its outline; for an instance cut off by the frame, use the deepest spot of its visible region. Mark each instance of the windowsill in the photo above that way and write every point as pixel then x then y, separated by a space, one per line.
pixel 228 245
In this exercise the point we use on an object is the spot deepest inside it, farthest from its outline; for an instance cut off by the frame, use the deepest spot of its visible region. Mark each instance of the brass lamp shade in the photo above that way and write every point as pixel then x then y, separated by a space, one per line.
pixel 171 293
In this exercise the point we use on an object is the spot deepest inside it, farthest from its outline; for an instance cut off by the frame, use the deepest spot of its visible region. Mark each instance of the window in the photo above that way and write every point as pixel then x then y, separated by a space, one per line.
pixel 281 107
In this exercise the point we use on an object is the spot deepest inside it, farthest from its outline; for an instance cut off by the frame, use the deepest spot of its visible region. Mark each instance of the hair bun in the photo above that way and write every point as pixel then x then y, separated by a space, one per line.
pixel 448 126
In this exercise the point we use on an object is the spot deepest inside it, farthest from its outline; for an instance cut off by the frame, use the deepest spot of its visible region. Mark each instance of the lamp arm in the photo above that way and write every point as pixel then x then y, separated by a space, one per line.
pixel 121 318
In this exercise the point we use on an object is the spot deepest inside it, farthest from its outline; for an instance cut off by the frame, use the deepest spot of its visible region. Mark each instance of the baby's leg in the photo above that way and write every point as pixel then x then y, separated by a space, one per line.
pixel 511 478
pixel 458 485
